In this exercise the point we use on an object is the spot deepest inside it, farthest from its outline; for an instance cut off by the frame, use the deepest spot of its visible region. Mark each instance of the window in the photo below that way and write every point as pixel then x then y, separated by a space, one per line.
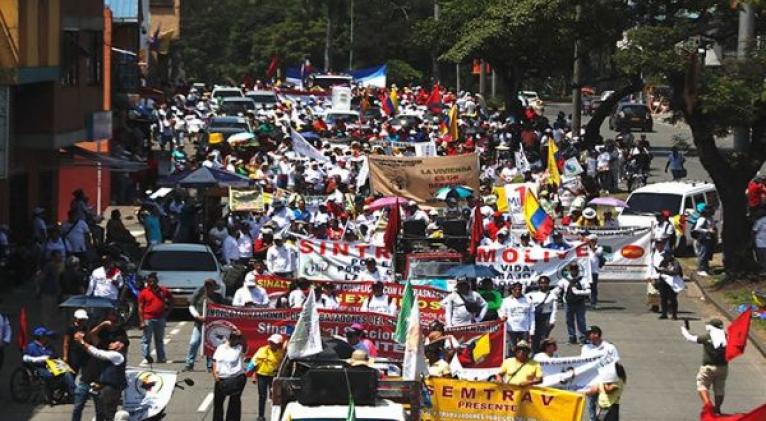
pixel 652 203
pixel 93 60
pixel 698 198
pixel 712 199
pixel 70 68
pixel 688 204
pixel 181 261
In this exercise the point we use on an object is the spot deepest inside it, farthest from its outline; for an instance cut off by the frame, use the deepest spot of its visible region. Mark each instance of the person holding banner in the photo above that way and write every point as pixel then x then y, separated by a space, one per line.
pixel 576 291
pixel 596 346
pixel 609 392
pixel 250 295
pixel 463 306
pixel 207 292
pixel 378 301
pixel 265 364
pixel 520 370
pixel 229 377
pixel 545 302
pixel 715 368
pixel 518 313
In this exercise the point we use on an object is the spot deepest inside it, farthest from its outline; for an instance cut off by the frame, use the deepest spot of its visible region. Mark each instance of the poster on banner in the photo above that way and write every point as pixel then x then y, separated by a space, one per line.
pixel 461 400
pixel 148 392
pixel 245 200
pixel 628 251
pixel 481 349
pixel 526 264
pixel 572 167
pixel 510 198
pixel 324 260
pixel 577 373
pixel 418 178
pixel 351 295
pixel 257 325
pixel 522 163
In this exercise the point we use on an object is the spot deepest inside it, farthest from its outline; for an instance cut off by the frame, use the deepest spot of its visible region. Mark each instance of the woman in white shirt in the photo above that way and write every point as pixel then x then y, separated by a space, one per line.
pixel 229 376
pixel 379 302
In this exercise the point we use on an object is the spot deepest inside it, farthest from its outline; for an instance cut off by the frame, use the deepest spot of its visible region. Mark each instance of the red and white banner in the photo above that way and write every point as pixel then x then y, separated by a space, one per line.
pixel 351 295
pixel 481 349
pixel 528 263
pixel 324 260
pixel 482 346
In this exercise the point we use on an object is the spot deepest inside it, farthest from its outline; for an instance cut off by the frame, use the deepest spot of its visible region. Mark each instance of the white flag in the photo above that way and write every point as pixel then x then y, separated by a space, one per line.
pixel 364 173
pixel 304 148
pixel 521 160
pixel 306 338
pixel 414 365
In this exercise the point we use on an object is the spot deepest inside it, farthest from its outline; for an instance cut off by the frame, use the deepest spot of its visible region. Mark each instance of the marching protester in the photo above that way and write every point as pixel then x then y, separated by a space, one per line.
pixel 250 295
pixel 608 392
pixel 704 232
pixel 668 279
pixel 575 292
pixel 155 303
pixel 548 349
pixel 207 293
pixel 715 368
pixel 545 302
pixel 597 260
pixel 518 313
pixel 265 363
pixel 72 353
pixel 520 370
pixel 111 379
pixel 597 346
pixel 378 301
pixel 493 298
pixel 463 306
pixel 229 377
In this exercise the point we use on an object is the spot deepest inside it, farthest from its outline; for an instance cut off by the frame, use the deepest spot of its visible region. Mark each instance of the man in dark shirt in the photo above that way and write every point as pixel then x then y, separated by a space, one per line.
pixel 206 292
pixel 715 368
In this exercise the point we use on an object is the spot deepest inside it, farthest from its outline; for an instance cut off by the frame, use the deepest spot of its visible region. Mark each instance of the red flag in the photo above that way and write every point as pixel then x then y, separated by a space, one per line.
pixel 22 338
pixel 737 335
pixel 757 414
pixel 477 230
pixel 272 66
pixel 434 101
pixel 392 229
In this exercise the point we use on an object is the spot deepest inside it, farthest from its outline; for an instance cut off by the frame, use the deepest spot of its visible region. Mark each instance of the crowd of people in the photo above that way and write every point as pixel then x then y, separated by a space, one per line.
pixel 263 242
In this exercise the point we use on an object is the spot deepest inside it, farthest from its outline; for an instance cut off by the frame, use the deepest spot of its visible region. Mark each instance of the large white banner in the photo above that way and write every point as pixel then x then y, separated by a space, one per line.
pixel 575 373
pixel 526 264
pixel 627 251
pixel 324 260
pixel 304 148
pixel 148 392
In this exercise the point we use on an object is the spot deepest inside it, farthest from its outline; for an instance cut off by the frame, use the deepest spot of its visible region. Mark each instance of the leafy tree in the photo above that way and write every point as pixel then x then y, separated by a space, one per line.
pixel 711 100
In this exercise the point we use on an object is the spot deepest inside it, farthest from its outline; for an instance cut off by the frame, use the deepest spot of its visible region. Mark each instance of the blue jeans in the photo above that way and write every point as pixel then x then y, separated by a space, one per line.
pixel 575 313
pixel 156 328
pixel 592 408
pixel 704 253
pixel 594 289
pixel 81 395
pixel 194 343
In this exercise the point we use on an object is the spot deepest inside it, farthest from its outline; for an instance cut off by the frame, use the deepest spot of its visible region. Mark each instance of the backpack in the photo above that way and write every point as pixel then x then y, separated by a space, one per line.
pixel 571 297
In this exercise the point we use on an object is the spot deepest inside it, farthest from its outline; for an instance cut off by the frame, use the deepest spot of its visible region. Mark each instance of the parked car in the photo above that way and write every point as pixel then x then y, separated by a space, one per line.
pixel 631 116
pixel 228 126
pixel 221 92
pixel 263 99
pixel 181 268
pixel 680 198
pixel 236 105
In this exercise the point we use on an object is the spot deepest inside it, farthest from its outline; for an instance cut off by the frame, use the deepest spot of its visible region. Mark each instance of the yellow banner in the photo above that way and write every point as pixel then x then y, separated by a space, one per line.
pixel 461 400
pixel 58 367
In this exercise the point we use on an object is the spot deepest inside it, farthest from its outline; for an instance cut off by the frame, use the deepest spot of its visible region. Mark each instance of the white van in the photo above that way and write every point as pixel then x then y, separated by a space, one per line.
pixel 678 197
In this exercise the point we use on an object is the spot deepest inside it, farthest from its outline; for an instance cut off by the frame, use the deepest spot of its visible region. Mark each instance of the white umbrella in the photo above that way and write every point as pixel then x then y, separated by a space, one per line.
pixel 240 138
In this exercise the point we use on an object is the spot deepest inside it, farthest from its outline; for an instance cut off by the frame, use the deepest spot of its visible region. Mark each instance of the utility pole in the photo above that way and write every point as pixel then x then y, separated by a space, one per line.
pixel 577 77
pixel 457 77
pixel 482 77
pixel 493 89
pixel 351 39
pixel 434 61
pixel 327 39
pixel 744 48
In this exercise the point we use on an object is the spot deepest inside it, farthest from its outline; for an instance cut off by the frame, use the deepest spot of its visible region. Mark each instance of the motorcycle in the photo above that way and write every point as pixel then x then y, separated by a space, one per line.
pixel 635 177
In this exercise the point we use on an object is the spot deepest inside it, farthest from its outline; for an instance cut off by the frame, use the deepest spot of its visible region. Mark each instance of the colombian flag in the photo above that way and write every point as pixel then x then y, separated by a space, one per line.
pixel 539 223
pixel 387 105
pixel 553 168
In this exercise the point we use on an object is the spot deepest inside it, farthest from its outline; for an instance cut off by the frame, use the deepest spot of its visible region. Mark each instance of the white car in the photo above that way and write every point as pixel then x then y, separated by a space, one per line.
pixel 181 268
pixel 221 92
pixel 680 198
pixel 384 410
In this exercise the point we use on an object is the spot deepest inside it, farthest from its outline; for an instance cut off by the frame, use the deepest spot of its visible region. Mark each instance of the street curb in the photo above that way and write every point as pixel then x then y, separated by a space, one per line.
pixel 722 308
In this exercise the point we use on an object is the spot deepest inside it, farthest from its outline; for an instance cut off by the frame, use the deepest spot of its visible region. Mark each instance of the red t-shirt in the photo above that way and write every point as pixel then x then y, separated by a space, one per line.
pixel 755 191
pixel 153 305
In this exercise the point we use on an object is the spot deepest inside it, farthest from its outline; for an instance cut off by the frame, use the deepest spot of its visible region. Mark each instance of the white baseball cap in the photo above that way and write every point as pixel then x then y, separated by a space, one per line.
pixel 275 338
pixel 81 314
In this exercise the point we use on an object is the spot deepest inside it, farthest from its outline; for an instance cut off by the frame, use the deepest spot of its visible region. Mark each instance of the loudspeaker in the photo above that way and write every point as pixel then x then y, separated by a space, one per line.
pixel 455 228
pixel 330 386
pixel 415 228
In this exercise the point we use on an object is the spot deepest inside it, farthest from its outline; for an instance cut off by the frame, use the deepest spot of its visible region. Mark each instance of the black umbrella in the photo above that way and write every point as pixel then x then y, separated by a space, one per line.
pixel 87 301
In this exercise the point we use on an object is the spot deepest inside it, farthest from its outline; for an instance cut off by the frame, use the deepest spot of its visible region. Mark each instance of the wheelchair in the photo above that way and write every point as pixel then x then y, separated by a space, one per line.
pixel 28 386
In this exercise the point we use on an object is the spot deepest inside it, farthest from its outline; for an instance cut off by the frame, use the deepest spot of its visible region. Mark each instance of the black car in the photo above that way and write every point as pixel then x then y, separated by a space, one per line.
pixel 631 116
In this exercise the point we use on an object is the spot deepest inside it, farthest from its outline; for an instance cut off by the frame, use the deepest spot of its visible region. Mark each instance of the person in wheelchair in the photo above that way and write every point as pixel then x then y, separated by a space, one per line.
pixel 38 352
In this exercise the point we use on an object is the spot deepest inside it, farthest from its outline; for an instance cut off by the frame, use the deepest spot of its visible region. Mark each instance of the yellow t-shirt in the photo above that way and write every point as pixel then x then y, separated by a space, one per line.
pixel 530 371
pixel 606 400
pixel 267 360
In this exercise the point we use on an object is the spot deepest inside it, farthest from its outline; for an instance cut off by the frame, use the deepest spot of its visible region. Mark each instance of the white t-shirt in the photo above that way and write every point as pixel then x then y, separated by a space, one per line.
pixel 380 304
pixel 519 314
pixel 255 295
pixel 75 236
pixel 548 302
pixel 455 313
pixel 245 246
pixel 279 259
pixel 101 285
pixel 228 360
pixel 296 298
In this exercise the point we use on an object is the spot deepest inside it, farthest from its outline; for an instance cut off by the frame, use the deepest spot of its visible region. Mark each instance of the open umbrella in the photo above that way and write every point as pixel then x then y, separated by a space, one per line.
pixel 472 271
pixel 609 201
pixel 458 192
pixel 385 202
pixel 205 177
pixel 87 301
pixel 238 138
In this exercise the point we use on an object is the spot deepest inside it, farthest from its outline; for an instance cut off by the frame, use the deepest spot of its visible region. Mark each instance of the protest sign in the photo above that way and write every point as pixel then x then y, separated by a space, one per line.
pixel 304 148
pixel 572 167
pixel 148 392
pixel 351 295
pixel 460 400
pixel 528 263
pixel 576 373
pixel 257 325
pixel 510 198
pixel 324 260
pixel 628 251
pixel 418 178
pixel 245 200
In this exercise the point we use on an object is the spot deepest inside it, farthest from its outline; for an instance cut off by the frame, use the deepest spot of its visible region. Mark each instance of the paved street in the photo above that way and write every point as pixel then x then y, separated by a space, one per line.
pixel 661 366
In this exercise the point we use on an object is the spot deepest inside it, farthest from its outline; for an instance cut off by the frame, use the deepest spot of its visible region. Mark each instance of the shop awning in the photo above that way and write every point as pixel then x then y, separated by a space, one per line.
pixel 77 156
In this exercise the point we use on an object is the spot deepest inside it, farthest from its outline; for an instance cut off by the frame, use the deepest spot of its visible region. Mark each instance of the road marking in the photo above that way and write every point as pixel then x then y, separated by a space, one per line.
pixel 166 341
pixel 205 403
pixel 181 324
pixel 175 331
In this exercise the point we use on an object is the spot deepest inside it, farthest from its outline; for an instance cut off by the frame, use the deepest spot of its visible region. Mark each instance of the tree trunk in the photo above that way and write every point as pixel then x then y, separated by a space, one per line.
pixel 327 40
pixel 736 230
pixel 593 128
pixel 511 80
